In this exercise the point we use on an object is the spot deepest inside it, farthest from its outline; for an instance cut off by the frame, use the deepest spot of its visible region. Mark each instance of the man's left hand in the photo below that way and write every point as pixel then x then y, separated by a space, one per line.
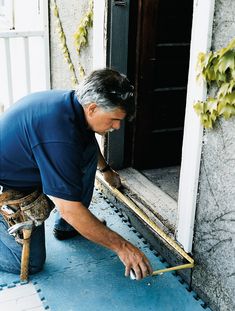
pixel 112 178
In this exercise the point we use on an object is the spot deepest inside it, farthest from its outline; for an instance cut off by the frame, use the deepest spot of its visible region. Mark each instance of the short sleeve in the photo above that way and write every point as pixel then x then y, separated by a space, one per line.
pixel 61 169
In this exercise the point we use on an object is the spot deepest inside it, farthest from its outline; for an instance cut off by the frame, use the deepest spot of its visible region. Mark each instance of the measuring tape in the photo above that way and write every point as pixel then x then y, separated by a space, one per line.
pixel 127 201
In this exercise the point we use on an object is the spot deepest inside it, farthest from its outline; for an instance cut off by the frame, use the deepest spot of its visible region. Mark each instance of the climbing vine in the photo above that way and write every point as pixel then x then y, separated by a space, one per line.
pixel 63 43
pixel 219 68
pixel 80 38
pixel 81 34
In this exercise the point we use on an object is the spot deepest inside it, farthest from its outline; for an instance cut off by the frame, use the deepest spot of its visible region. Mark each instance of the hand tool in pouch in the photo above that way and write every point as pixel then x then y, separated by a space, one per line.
pixel 26 227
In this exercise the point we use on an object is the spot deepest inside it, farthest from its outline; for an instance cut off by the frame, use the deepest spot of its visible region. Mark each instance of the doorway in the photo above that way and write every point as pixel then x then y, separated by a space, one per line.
pixel 126 22
pixel 158 54
pixel 150 42
pixel 159 69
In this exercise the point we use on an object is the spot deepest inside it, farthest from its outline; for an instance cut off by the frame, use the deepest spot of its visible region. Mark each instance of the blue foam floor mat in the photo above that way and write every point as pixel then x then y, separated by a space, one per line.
pixel 80 275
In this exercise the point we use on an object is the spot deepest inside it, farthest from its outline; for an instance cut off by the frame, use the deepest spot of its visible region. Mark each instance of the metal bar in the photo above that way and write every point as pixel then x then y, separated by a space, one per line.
pixel 127 201
pixel 13 14
pixel 19 34
pixel 27 64
pixel 46 45
pixel 8 70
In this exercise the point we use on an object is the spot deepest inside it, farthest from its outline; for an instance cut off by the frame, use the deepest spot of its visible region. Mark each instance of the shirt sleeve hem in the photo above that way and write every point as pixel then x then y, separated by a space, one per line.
pixel 64 196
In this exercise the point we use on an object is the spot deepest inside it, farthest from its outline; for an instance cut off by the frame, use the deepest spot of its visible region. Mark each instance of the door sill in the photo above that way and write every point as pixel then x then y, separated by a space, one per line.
pixel 159 206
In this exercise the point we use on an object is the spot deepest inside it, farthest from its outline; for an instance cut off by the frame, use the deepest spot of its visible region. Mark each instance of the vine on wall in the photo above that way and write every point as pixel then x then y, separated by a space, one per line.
pixel 80 38
pixel 63 43
pixel 219 68
pixel 81 34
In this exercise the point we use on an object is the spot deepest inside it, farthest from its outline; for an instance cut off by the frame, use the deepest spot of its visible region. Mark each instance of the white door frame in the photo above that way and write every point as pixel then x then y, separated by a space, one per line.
pixel 203 14
pixel 99 42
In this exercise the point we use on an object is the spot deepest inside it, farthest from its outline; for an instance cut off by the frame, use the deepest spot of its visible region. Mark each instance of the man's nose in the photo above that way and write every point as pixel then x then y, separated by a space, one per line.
pixel 116 125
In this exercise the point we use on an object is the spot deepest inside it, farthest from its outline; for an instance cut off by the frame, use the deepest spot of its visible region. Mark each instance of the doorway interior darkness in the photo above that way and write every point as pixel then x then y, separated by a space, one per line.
pixel 158 61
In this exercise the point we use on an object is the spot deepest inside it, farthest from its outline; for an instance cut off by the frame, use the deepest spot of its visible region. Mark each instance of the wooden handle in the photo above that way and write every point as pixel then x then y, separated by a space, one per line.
pixel 25 255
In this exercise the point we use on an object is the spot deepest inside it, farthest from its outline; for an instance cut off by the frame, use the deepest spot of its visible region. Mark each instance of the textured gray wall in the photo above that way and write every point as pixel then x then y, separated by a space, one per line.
pixel 71 13
pixel 214 247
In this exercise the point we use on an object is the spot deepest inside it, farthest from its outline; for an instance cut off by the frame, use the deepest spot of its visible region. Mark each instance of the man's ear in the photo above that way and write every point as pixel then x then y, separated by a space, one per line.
pixel 90 109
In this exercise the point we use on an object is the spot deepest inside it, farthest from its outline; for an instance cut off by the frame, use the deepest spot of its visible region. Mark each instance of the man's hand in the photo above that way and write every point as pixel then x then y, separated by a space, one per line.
pixel 112 178
pixel 135 260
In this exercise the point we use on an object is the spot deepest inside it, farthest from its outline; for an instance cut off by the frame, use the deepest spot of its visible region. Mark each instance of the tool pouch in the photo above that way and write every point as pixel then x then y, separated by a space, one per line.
pixel 17 207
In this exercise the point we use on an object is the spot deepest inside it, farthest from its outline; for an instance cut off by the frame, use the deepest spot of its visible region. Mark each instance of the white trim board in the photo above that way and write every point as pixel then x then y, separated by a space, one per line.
pixel 99 34
pixel 192 142
pixel 99 42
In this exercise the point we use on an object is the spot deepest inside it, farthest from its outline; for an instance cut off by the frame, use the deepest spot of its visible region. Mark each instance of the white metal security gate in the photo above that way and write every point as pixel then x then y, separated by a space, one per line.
pixel 24 49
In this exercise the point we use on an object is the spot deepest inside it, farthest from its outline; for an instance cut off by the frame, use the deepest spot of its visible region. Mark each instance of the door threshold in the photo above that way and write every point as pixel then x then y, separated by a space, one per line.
pixel 166 178
pixel 156 203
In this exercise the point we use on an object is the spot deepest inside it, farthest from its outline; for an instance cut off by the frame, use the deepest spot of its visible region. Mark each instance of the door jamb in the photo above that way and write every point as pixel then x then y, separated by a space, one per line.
pixel 203 13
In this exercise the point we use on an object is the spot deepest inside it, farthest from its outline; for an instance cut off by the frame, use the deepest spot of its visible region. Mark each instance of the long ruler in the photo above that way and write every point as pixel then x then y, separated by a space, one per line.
pixel 127 201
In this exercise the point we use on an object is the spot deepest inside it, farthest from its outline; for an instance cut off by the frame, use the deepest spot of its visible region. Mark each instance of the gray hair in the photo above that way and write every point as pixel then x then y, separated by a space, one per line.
pixel 108 88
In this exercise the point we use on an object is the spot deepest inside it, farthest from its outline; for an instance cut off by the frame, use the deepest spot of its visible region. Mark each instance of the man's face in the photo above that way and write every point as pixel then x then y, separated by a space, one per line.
pixel 102 121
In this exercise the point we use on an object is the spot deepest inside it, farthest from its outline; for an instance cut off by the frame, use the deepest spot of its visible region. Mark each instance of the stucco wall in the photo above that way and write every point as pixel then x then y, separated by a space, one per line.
pixel 214 250
pixel 70 13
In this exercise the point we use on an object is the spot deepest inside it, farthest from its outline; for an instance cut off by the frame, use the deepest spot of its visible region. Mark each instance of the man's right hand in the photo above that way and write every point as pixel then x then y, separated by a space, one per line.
pixel 135 260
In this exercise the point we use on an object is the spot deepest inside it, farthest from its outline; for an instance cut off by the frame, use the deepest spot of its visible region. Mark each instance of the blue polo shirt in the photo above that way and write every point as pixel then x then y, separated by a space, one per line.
pixel 43 139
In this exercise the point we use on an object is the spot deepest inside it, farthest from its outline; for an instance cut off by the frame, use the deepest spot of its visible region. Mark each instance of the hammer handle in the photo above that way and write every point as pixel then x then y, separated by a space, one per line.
pixel 25 254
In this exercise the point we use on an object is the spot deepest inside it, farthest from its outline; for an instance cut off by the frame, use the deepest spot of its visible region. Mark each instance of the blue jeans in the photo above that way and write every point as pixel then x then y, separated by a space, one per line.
pixel 10 250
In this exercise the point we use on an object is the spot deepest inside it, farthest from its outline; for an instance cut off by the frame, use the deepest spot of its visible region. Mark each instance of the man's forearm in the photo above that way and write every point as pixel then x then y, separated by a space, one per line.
pixel 77 215
pixel 93 229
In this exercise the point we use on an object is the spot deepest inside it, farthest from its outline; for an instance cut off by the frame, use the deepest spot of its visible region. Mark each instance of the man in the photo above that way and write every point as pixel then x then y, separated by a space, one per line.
pixel 48 143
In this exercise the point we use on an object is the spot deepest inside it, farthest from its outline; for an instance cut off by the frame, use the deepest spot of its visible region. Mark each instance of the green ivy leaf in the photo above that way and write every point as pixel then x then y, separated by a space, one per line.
pixel 219 67
pixel 228 111
pixel 230 98
pixel 211 104
pixel 206 121
pixel 227 61
pixel 199 107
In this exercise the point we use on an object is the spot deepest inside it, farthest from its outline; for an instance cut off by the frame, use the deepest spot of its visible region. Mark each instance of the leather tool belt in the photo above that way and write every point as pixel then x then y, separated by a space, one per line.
pixel 16 207
pixel 22 213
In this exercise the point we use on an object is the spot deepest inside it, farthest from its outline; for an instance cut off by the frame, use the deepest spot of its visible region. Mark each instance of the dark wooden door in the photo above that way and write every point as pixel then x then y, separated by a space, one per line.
pixel 159 45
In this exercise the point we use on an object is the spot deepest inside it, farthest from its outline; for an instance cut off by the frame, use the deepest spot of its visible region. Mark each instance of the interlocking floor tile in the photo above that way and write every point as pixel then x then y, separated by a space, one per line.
pixel 82 276
pixel 20 298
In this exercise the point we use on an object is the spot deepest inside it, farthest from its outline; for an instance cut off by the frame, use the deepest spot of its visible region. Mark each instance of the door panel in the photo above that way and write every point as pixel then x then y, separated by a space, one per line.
pixel 170 115
pixel 161 56
pixel 169 65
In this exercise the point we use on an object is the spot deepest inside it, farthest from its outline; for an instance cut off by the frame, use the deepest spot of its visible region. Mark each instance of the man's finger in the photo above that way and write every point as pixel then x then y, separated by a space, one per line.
pixel 127 271
pixel 149 267
pixel 144 270
pixel 138 272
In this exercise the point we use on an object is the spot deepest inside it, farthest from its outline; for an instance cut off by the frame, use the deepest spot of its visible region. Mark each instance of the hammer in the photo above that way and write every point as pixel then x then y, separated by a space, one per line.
pixel 26 227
